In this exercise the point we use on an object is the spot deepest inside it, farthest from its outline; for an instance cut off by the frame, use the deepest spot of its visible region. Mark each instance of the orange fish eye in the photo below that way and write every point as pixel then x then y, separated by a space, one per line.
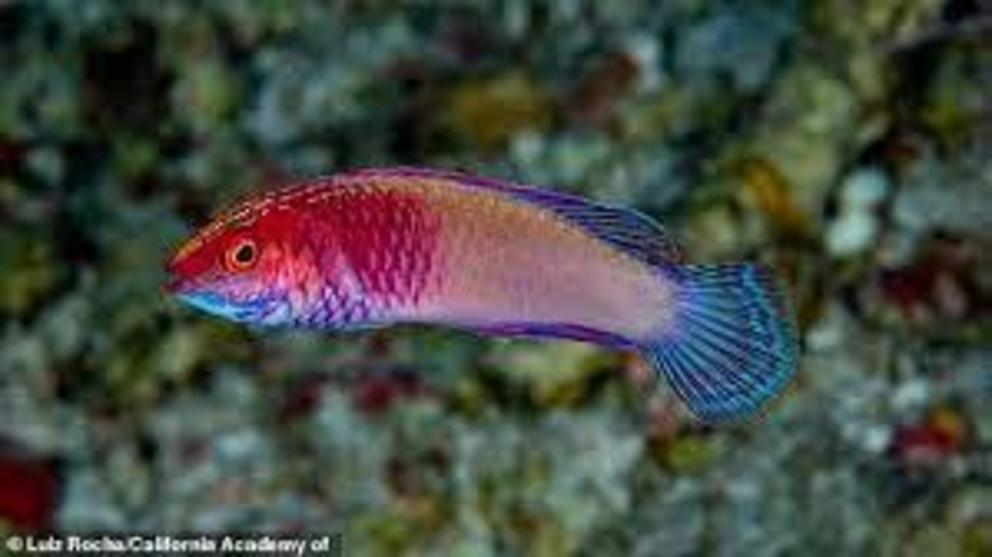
pixel 242 255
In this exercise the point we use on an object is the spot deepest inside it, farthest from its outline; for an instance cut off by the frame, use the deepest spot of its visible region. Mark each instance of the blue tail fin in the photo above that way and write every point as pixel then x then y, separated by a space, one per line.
pixel 731 344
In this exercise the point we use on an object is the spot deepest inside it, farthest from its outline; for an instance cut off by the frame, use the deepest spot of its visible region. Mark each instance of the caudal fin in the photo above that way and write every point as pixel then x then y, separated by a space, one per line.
pixel 731 343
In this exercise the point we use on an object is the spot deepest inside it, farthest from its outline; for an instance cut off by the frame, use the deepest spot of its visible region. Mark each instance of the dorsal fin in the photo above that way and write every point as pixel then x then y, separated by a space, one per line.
pixel 625 229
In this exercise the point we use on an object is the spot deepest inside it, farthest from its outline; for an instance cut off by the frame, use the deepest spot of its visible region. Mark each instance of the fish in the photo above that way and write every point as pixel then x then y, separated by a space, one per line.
pixel 376 247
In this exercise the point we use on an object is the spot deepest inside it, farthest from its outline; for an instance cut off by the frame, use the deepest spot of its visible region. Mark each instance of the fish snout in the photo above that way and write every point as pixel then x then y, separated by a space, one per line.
pixel 183 273
pixel 177 281
pixel 175 285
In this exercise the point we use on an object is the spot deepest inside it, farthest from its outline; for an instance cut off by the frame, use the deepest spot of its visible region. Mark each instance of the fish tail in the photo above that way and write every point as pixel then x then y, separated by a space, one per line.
pixel 730 345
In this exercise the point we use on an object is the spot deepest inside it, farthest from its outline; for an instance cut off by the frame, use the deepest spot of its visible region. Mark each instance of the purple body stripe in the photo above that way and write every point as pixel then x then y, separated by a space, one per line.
pixel 557 330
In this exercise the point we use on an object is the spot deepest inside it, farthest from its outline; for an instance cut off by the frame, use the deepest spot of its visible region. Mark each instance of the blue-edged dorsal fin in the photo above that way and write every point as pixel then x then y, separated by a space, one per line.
pixel 625 229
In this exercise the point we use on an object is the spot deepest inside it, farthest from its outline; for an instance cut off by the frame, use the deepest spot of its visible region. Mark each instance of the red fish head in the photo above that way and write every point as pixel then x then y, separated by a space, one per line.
pixel 243 266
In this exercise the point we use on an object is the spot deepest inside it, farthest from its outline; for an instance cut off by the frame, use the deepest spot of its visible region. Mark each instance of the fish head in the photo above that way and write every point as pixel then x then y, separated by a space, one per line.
pixel 244 266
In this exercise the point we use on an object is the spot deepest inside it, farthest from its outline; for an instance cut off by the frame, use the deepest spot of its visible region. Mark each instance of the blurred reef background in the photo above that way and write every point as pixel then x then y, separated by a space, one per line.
pixel 848 143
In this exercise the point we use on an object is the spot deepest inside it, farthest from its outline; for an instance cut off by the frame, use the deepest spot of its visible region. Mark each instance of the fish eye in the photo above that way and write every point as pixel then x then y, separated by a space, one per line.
pixel 242 255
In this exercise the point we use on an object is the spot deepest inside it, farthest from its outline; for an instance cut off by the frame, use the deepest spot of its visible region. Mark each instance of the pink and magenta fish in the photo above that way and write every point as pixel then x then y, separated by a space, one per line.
pixel 378 247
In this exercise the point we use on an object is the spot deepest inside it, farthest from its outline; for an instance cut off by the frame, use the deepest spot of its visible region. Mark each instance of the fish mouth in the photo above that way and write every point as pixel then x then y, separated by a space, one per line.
pixel 176 285
pixel 191 293
pixel 216 305
pixel 197 296
pixel 181 286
